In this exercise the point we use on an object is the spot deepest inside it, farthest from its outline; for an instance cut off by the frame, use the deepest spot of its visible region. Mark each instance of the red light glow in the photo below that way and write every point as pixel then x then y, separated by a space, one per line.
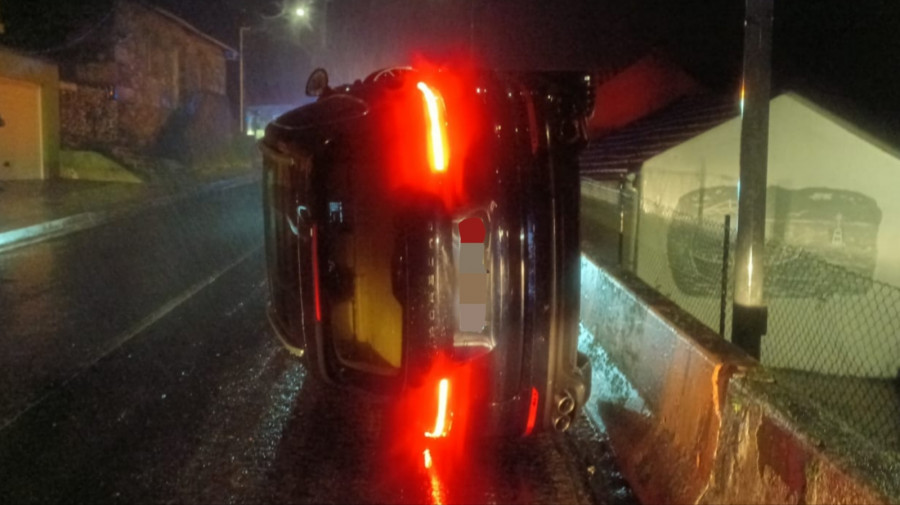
pixel 441 424
pixel 433 121
pixel 438 148
pixel 417 411
pixel 437 487
pixel 315 271
pixel 437 490
pixel 532 412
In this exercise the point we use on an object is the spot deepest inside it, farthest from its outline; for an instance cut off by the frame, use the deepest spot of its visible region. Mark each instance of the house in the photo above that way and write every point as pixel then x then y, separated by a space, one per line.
pixel 29 117
pixel 138 84
pixel 146 83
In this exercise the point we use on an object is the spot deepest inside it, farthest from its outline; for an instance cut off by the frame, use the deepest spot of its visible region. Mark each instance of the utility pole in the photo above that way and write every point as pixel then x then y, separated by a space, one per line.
pixel 324 25
pixel 241 75
pixel 750 314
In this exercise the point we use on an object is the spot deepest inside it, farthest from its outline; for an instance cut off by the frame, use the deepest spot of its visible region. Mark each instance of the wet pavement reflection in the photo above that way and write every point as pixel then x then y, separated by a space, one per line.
pixel 204 406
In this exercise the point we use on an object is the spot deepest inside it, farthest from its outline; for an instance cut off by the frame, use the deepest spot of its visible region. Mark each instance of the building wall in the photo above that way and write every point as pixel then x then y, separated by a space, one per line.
pixel 148 78
pixel 45 75
pixel 161 68
pixel 832 225
pixel 89 116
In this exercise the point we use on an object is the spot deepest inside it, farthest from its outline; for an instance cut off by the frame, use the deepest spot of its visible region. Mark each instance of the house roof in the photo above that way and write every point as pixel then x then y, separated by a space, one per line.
pixel 626 149
pixel 24 54
pixel 55 29
pixel 231 53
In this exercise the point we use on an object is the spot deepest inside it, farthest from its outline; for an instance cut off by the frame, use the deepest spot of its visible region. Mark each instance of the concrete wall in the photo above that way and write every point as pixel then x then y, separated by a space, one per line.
pixel 46 75
pixel 90 118
pixel 694 420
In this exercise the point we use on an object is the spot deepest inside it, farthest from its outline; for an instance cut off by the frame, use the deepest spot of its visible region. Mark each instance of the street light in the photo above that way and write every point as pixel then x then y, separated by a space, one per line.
pixel 300 12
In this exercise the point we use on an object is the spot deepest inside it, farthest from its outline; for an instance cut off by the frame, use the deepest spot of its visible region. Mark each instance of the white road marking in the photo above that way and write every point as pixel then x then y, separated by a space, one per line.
pixel 135 330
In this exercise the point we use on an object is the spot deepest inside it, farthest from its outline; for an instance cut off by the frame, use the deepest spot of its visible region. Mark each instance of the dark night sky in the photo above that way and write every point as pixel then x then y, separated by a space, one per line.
pixel 846 52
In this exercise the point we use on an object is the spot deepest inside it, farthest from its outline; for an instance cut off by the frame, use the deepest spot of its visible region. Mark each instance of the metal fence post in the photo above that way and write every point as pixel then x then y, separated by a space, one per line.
pixel 621 220
pixel 635 222
pixel 749 318
pixel 723 298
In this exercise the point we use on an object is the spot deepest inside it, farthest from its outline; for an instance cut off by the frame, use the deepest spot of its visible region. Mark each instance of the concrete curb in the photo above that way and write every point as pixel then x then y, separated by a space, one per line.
pixel 14 239
pixel 710 424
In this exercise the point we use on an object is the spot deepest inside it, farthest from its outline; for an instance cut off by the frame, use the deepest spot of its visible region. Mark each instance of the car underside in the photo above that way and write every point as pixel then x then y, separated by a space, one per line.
pixel 422 232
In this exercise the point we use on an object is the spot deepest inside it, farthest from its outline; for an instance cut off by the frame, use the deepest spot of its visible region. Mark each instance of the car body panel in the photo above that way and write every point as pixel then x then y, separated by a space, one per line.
pixel 364 243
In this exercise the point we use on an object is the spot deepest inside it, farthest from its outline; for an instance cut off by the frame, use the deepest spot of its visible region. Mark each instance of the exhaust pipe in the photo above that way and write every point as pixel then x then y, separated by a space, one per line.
pixel 565 408
pixel 565 404
pixel 562 423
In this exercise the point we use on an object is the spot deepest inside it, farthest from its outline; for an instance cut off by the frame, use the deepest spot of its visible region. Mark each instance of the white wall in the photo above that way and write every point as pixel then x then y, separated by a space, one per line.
pixel 808 149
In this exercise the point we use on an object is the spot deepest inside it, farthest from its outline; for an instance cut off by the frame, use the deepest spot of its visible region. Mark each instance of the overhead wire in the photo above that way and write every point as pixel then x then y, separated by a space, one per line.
pixel 75 41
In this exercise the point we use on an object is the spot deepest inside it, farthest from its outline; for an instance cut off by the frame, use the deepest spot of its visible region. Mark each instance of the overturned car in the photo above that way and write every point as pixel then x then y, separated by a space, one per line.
pixel 425 221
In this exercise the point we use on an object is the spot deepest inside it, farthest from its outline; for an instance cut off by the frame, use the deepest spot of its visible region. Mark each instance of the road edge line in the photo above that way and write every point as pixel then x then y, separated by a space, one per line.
pixel 135 330
pixel 29 235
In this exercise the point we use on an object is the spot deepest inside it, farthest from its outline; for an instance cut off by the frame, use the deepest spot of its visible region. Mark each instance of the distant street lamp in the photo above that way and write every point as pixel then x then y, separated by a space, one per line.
pixel 300 12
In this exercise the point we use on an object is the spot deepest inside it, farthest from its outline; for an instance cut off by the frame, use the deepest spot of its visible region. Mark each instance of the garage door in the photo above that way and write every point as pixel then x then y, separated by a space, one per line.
pixel 20 130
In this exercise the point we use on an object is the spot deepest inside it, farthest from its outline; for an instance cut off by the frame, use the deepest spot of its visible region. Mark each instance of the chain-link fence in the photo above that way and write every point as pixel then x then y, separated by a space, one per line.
pixel 833 330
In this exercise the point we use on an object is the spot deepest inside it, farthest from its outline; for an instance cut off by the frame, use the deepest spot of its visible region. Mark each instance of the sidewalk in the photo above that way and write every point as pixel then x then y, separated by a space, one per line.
pixel 31 211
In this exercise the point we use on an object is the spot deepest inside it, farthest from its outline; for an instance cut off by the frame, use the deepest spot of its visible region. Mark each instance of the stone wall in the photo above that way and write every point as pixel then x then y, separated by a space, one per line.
pixel 149 77
pixel 88 116
pixel 162 68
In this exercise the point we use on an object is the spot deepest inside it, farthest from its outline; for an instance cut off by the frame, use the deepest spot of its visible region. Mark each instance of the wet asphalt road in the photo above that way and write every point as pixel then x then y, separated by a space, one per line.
pixel 136 366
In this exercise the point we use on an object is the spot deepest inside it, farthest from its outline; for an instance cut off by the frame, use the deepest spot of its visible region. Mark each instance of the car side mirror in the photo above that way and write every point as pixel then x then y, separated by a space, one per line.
pixel 317 83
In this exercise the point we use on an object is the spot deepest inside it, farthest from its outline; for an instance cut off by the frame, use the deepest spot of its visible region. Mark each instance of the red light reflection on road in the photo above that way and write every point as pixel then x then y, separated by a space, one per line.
pixel 438 496
pixel 461 467
pixel 421 430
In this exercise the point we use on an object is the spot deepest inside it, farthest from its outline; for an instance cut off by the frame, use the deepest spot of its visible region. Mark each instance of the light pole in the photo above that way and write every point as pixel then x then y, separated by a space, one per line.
pixel 300 12
pixel 241 73
pixel 324 24
pixel 750 314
